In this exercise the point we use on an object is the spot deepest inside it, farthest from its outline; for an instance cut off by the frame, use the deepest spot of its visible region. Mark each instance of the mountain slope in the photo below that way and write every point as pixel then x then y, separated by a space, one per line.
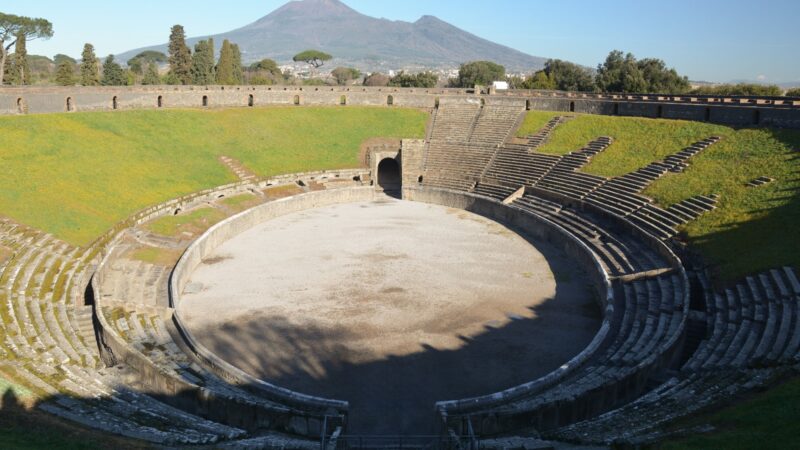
pixel 360 40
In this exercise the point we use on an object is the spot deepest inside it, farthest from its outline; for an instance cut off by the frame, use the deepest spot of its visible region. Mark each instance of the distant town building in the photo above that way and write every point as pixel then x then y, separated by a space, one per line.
pixel 500 85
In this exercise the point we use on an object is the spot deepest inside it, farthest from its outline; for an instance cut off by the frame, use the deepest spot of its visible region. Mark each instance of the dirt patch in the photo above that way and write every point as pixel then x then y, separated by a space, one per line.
pixel 284 190
pixel 316 186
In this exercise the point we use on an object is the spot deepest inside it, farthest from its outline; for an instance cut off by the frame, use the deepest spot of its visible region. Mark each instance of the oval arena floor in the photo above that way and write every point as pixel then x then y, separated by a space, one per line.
pixel 390 305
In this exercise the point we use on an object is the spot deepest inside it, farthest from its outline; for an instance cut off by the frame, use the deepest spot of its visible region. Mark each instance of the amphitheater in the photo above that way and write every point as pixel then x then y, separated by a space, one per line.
pixel 463 290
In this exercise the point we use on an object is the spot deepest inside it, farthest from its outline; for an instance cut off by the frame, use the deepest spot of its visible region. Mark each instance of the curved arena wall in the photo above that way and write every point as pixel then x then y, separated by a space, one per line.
pixel 475 408
pixel 177 392
pixel 220 233
pixel 728 110
pixel 516 218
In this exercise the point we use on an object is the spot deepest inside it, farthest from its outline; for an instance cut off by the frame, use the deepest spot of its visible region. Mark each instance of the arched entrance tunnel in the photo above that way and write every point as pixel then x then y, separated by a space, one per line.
pixel 389 175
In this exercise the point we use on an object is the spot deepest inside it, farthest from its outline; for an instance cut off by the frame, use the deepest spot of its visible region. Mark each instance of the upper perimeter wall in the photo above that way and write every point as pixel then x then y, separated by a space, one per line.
pixel 735 111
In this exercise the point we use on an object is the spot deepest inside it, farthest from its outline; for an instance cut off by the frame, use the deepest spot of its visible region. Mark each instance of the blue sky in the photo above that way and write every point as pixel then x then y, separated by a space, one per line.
pixel 712 40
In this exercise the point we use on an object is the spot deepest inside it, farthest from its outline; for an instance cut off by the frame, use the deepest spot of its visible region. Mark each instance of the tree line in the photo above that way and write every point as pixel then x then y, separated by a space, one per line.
pixel 620 72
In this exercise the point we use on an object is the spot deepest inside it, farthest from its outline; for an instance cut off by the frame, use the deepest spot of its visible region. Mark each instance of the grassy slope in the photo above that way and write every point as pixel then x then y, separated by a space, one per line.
pixel 753 229
pixel 74 175
pixel 766 421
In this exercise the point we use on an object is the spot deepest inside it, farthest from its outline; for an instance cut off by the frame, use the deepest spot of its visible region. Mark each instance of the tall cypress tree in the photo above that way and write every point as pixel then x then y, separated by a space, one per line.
pixel 203 62
pixel 90 70
pixel 20 72
pixel 225 64
pixel 180 57
pixel 236 64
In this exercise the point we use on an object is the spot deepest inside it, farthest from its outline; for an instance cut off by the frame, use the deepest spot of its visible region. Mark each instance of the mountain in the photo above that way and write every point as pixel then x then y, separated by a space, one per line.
pixel 356 39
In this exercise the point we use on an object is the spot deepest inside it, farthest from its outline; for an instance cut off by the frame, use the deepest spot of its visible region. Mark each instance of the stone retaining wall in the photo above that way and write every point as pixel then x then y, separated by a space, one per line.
pixel 206 244
pixel 736 111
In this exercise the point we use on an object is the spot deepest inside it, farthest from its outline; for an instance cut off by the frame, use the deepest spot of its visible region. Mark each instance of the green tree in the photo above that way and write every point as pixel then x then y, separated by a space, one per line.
pixel 264 72
pixel 344 74
pixel 236 64
pixel 151 75
pixel 180 57
pixel 794 92
pixel 541 80
pixel 620 73
pixel 376 79
pixel 113 75
pixel 422 79
pixel 65 73
pixel 203 62
pixel 225 64
pixel 567 76
pixel 267 65
pixel 479 73
pixel 90 70
pixel 19 69
pixel 315 58
pixel 12 27
pixel 661 79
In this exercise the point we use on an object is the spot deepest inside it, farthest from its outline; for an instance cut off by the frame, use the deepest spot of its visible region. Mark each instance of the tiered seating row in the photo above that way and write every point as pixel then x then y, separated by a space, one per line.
pixel 753 336
pixel 564 177
pixel 650 314
pixel 641 421
pixel 494 124
pixel 620 253
pixel 494 190
pixel 43 347
pixel 455 166
pixel 652 318
pixel 454 122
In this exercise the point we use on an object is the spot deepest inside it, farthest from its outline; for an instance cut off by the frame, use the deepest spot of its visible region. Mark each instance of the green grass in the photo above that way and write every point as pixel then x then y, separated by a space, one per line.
pixel 753 229
pixel 75 175
pixel 766 421
pixel 240 202
pixel 156 255
pixel 194 221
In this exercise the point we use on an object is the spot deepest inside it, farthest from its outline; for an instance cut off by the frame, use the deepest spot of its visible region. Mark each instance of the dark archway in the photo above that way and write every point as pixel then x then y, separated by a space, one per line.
pixel 70 106
pixel 114 104
pixel 205 100
pixel 343 100
pixel 296 99
pixel 21 105
pixel 160 101
pixel 390 100
pixel 389 176
pixel 571 106
pixel 250 100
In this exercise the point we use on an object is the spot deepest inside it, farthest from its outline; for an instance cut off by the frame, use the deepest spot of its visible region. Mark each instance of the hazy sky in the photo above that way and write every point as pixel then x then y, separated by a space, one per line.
pixel 712 40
